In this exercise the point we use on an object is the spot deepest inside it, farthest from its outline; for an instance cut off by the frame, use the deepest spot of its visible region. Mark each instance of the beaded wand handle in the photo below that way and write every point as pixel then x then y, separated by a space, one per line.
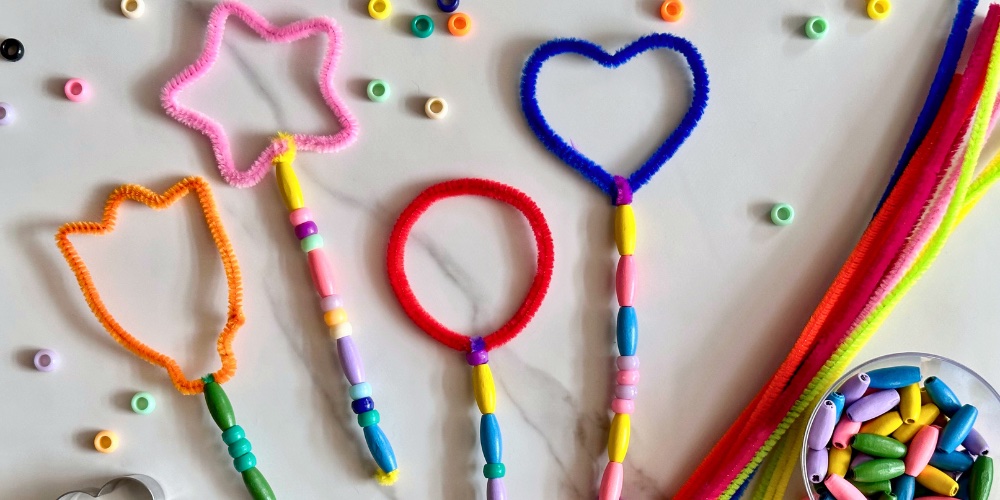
pixel 334 314
pixel 490 438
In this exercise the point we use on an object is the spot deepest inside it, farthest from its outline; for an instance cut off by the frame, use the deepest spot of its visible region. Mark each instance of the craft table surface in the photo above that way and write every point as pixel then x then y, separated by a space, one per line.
pixel 723 292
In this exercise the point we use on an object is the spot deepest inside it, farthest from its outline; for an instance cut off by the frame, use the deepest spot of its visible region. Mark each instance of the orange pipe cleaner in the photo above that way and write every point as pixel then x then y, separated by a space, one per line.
pixel 235 317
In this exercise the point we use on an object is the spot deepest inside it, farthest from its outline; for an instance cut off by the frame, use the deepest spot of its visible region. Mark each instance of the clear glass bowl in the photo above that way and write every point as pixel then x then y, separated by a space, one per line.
pixel 967 384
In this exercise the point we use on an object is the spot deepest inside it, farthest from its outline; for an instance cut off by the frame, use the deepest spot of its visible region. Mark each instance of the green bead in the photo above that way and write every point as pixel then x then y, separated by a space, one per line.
pixel 219 406
pixel 378 90
pixel 422 26
pixel 878 446
pixel 245 462
pixel 982 478
pixel 369 418
pixel 782 214
pixel 887 496
pixel 233 434
pixel 879 469
pixel 816 27
pixel 257 485
pixel 143 403
pixel 494 471
pixel 240 448
pixel 311 242
pixel 884 487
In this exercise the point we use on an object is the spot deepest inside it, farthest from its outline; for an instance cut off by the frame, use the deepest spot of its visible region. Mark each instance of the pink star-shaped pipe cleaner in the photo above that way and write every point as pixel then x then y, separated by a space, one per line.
pixel 285 34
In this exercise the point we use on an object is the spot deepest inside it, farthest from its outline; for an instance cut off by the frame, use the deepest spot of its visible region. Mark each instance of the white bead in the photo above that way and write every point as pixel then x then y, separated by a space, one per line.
pixel 341 330
pixel 436 108
pixel 133 9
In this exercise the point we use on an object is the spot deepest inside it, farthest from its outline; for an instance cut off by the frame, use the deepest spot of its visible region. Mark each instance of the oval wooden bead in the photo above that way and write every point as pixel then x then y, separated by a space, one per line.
pixel 495 489
pixel 335 317
pixel 843 490
pixel 838 402
pixel 256 484
pixel 350 360
pixel 627 377
pixel 322 272
pixel 844 431
pixel 817 464
pixel 975 443
pixel 625 280
pixel 873 405
pixel 822 426
pixel 839 461
pixel 625 229
pixel 627 331
pixel 612 481
pixel 937 481
pixel 854 388
pixel 878 446
pixel 873 488
pixel 381 450
pixel 219 406
pixel 893 377
pixel 484 388
pixel 942 396
pixel 982 479
pixel 883 425
pixel 958 428
pixel 956 461
pixel 928 414
pixel 288 182
pixel 878 470
pixel 921 450
pixel 626 406
pixel 905 487
pixel 490 438
pixel 909 403
pixel 619 436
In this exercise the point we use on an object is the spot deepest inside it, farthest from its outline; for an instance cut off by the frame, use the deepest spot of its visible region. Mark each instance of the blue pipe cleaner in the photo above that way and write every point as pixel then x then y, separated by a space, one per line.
pixel 588 168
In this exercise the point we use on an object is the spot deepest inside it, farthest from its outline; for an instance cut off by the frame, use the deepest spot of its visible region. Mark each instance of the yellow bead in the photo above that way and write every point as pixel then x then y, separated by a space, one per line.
pixel 379 9
pixel 486 391
pixel 289 183
pixel 625 229
pixel 619 436
pixel 937 481
pixel 909 403
pixel 884 425
pixel 840 461
pixel 928 414
pixel 879 9
pixel 335 317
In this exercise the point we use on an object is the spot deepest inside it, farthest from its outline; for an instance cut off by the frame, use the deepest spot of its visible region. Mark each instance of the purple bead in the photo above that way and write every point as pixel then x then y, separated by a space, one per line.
pixel 495 490
pixel 623 191
pixel 976 444
pixel 362 405
pixel 626 391
pixel 817 463
pixel 627 362
pixel 478 357
pixel 860 459
pixel 46 360
pixel 822 426
pixel 854 388
pixel 873 405
pixel 477 344
pixel 350 360
pixel 307 228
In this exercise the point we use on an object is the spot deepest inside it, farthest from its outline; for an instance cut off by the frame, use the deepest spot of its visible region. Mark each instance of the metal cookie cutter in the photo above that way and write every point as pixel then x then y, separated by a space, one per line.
pixel 153 487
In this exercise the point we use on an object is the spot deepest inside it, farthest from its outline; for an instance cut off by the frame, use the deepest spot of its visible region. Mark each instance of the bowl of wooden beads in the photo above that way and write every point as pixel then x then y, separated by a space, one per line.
pixel 903 426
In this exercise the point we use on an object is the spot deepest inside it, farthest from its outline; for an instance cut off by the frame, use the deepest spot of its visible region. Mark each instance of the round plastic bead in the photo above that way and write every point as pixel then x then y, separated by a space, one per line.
pixel 672 11
pixel 459 24
pixel 879 9
pixel 311 242
pixel 627 362
pixel 360 391
pixel 240 448
pixel 300 216
pixel 341 330
pixel 12 49
pixel 369 418
pixel 362 405
pixel 245 462
pixel 448 5
pixel 306 229
pixel 626 391
pixel 133 9
pixel 46 360
pixel 627 377
pixel 233 434
pixel 335 317
pixel 106 442
pixel 7 114
pixel 816 27
pixel 436 108
pixel 77 90
pixel 494 471
pixel 624 406
pixel 143 403
pixel 331 302
pixel 782 214
pixel 480 357
pixel 378 90
pixel 422 26
pixel 379 9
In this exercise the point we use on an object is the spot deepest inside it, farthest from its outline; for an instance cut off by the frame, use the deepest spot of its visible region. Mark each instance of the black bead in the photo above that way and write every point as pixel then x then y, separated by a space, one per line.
pixel 12 49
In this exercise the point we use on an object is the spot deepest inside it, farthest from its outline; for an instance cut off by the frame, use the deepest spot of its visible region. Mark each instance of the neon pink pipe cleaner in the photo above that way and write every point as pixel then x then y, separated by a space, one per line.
pixel 289 33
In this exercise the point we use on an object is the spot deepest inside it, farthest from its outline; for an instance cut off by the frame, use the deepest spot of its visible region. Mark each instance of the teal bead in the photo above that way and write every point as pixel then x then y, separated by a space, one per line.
pixel 360 391
pixel 378 445
pixel 312 242
pixel 494 471
pixel 628 331
pixel 490 439
pixel 233 434
pixel 240 448
pixel 245 462
pixel 369 418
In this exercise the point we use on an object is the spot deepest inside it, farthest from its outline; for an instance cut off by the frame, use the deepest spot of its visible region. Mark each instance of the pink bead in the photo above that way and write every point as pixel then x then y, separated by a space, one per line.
pixel 77 90
pixel 842 490
pixel 844 431
pixel 322 272
pixel 299 216
pixel 624 406
pixel 331 302
pixel 627 362
pixel 627 377
pixel 918 455
pixel 611 483
pixel 625 280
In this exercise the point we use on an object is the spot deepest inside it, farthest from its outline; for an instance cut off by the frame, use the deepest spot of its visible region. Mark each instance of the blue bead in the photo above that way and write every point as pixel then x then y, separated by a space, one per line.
pixel 245 462
pixel 894 377
pixel 362 405
pixel 838 402
pixel 956 461
pixel 240 448
pixel 233 434
pixel 490 439
pixel 380 448
pixel 447 5
pixel 957 428
pixel 362 390
pixel 905 487
pixel 628 331
pixel 942 396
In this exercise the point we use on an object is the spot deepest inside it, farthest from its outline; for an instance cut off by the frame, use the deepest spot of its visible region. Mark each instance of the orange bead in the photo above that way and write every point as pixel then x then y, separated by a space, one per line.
pixel 459 24
pixel 335 317
pixel 672 11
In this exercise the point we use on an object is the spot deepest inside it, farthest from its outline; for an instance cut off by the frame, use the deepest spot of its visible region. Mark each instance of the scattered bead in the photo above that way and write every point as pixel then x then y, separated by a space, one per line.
pixel 331 302
pixel 133 9
pixel 7 114
pixel 378 90
pixel 77 90
pixel 459 23
pixel 448 5
pixel 306 229
pixel 816 27
pixel 46 360
pixel 436 108
pixel 359 406
pixel 672 11
pixel 379 9
pixel 369 418
pixel 879 9
pixel 143 403
pixel 782 214
pixel 360 391
pixel 106 442
pixel 422 26
pixel 12 49
pixel 494 471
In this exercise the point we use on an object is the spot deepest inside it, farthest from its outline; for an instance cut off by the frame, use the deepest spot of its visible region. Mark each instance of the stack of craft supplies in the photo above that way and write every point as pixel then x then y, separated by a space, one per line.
pixel 932 190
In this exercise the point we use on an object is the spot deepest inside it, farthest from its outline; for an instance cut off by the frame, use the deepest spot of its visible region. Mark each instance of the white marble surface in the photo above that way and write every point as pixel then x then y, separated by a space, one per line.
pixel 723 292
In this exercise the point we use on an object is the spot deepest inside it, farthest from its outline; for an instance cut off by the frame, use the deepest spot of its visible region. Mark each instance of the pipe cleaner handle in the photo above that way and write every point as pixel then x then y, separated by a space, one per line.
pixel 239 447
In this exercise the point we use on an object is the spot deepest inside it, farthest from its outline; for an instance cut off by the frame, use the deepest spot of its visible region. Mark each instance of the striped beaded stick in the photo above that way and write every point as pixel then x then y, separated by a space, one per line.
pixel 489 428
pixel 334 314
